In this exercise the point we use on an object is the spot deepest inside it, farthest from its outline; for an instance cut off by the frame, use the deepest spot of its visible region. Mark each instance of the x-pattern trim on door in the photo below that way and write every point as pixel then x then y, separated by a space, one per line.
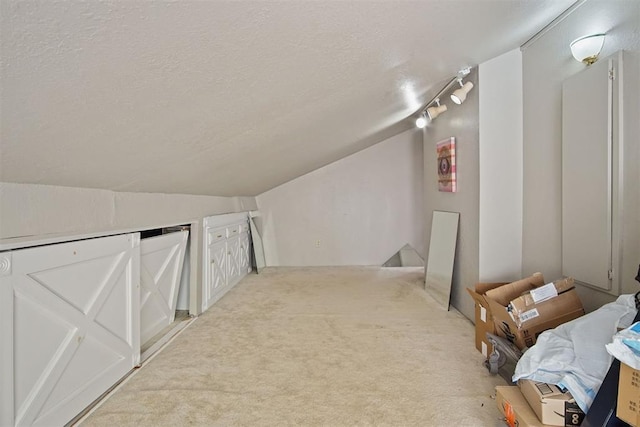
pixel 93 339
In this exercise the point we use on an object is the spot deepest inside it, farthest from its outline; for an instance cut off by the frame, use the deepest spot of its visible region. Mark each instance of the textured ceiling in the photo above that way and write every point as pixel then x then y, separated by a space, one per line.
pixel 227 97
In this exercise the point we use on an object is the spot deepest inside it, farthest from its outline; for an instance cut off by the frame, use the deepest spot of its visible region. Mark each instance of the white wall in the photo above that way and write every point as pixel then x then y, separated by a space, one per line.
pixel 546 63
pixel 359 210
pixel 460 121
pixel 500 93
pixel 28 209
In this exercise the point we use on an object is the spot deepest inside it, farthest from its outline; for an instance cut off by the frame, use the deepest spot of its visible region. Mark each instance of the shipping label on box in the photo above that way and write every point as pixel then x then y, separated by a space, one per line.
pixel 628 408
pixel 551 405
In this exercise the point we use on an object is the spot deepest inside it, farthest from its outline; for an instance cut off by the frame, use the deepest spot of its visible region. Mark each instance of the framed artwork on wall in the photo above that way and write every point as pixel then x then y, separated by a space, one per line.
pixel 446 155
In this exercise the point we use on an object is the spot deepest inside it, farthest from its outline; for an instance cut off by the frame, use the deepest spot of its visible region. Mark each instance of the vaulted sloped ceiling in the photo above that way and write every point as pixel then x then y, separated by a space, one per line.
pixel 227 97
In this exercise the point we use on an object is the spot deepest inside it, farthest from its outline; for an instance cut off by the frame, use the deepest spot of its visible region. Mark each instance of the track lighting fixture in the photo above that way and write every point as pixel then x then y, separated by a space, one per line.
pixel 459 95
pixel 435 111
pixel 586 49
pixel 433 108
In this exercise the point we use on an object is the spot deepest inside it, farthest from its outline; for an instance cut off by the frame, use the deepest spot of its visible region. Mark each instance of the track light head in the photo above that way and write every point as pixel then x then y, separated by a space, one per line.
pixel 460 94
pixel 436 110
pixel 421 121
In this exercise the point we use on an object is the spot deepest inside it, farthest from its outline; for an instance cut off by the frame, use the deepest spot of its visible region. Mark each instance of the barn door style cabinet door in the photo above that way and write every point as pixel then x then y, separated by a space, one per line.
pixel 161 263
pixel 69 324
pixel 226 255
pixel 597 159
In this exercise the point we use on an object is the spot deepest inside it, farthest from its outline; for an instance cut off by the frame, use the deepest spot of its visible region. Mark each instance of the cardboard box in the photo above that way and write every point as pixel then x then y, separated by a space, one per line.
pixel 483 318
pixel 550 404
pixel 628 408
pixel 515 408
pixel 523 308
pixel 520 315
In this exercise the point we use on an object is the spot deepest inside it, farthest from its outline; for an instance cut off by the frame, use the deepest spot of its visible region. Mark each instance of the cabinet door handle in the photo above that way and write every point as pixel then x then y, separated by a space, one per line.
pixel 219 236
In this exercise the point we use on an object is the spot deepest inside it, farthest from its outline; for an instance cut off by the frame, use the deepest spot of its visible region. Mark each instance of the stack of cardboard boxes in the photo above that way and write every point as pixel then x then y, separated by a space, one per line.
pixel 535 404
pixel 520 311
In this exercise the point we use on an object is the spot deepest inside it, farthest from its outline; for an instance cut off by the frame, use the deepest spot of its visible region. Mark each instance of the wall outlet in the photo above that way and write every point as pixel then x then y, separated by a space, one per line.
pixel 317 243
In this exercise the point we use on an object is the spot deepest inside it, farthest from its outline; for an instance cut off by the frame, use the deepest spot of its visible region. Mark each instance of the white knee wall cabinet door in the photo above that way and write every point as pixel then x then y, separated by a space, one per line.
pixel 226 255
pixel 600 174
pixel 69 325
pixel 161 263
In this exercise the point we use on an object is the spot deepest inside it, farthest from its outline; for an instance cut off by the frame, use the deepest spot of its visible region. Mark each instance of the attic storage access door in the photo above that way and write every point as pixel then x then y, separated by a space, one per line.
pixel 588 147
pixel 162 260
pixel 69 325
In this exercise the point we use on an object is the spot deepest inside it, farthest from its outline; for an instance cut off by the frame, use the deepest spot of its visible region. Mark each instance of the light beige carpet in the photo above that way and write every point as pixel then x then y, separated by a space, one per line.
pixel 335 346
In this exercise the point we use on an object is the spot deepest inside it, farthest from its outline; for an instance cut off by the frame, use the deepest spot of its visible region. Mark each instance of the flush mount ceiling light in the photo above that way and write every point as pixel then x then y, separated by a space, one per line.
pixel 460 94
pixel 586 49
pixel 436 110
